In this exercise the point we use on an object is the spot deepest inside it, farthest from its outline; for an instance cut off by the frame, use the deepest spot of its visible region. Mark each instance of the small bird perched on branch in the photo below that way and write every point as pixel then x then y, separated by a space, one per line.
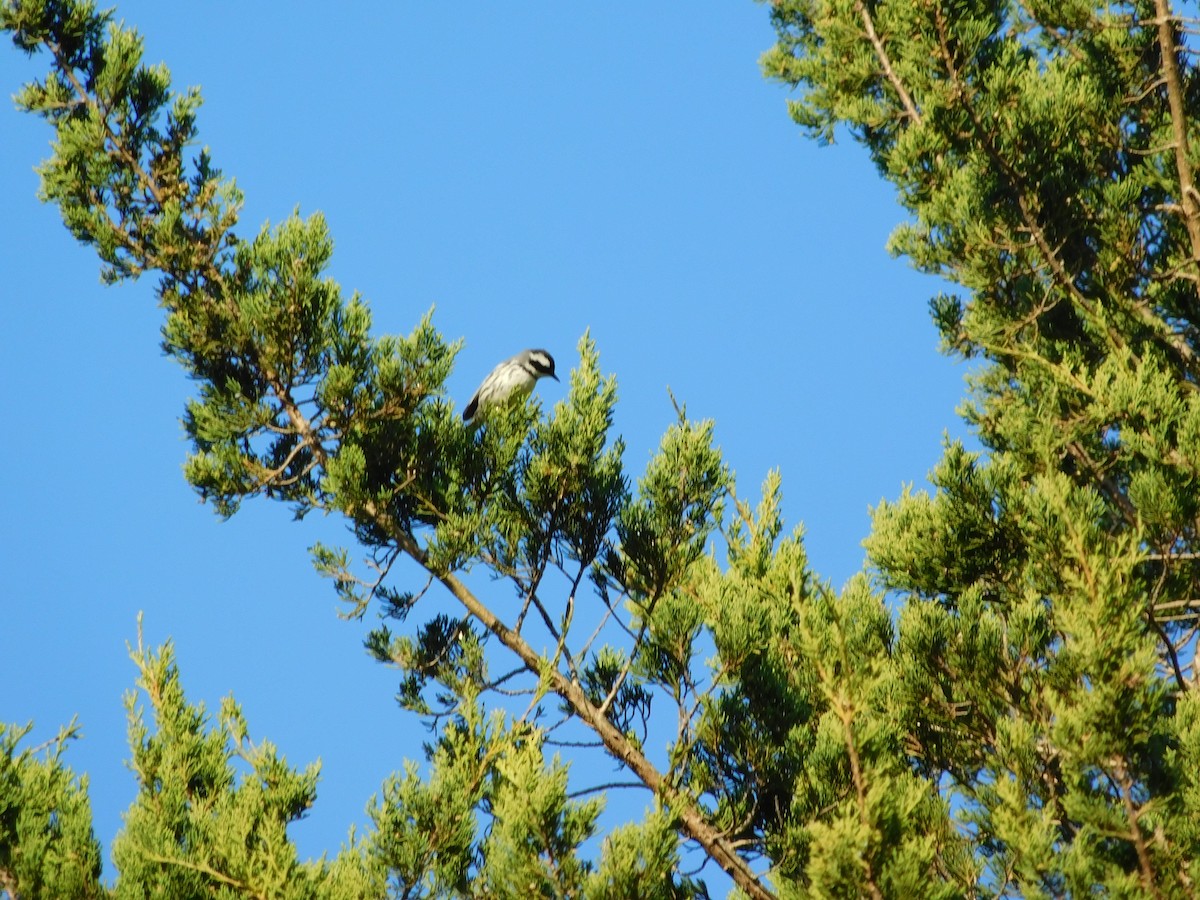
pixel 512 379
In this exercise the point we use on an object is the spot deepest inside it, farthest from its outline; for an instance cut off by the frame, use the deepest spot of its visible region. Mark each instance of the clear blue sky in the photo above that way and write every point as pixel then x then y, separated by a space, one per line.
pixel 532 170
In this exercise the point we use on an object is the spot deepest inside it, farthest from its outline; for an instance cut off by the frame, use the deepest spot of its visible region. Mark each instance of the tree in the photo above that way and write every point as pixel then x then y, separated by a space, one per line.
pixel 1021 719
pixel 1047 637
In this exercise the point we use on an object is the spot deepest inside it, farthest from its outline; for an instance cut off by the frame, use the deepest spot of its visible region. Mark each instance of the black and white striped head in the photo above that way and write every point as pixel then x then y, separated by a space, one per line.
pixel 539 363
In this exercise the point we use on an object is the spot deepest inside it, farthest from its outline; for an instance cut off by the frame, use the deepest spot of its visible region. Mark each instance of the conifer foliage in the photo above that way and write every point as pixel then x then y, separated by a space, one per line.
pixel 1019 718
pixel 1046 637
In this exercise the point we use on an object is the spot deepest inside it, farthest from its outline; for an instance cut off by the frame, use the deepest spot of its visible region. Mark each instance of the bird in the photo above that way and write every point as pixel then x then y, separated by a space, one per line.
pixel 513 378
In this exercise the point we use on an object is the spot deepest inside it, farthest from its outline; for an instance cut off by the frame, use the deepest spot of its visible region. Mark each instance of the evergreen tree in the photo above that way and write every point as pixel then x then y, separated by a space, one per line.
pixel 1019 719
pixel 1047 590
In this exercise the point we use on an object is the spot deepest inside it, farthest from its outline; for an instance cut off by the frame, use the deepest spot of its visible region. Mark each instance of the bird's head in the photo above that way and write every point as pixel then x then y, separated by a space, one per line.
pixel 543 364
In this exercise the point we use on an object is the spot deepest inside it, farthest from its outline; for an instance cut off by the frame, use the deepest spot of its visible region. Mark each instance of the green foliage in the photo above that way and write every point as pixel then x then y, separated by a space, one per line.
pixel 47 846
pixel 641 861
pixel 425 829
pixel 1047 622
pixel 802 747
pixel 531 849
pixel 201 828
pixel 678 503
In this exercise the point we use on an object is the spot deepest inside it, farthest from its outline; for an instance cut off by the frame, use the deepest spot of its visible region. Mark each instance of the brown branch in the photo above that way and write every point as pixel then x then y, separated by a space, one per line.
pixel 1167 605
pixel 602 709
pixel 1175 100
pixel 843 707
pixel 118 149
pixel 910 108
pixel 693 822
pixel 608 786
pixel 1169 649
pixel 1135 836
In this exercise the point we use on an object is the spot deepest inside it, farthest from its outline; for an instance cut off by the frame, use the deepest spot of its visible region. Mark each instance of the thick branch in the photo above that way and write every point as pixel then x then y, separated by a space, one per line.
pixel 1175 99
pixel 694 823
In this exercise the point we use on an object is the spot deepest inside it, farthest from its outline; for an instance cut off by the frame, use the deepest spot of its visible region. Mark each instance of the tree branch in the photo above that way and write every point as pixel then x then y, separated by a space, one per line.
pixel 910 108
pixel 204 869
pixel 694 824
pixel 1175 99
pixel 1135 836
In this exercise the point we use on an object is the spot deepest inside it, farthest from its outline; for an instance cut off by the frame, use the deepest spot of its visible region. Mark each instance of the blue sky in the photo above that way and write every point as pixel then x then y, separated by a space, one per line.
pixel 532 171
